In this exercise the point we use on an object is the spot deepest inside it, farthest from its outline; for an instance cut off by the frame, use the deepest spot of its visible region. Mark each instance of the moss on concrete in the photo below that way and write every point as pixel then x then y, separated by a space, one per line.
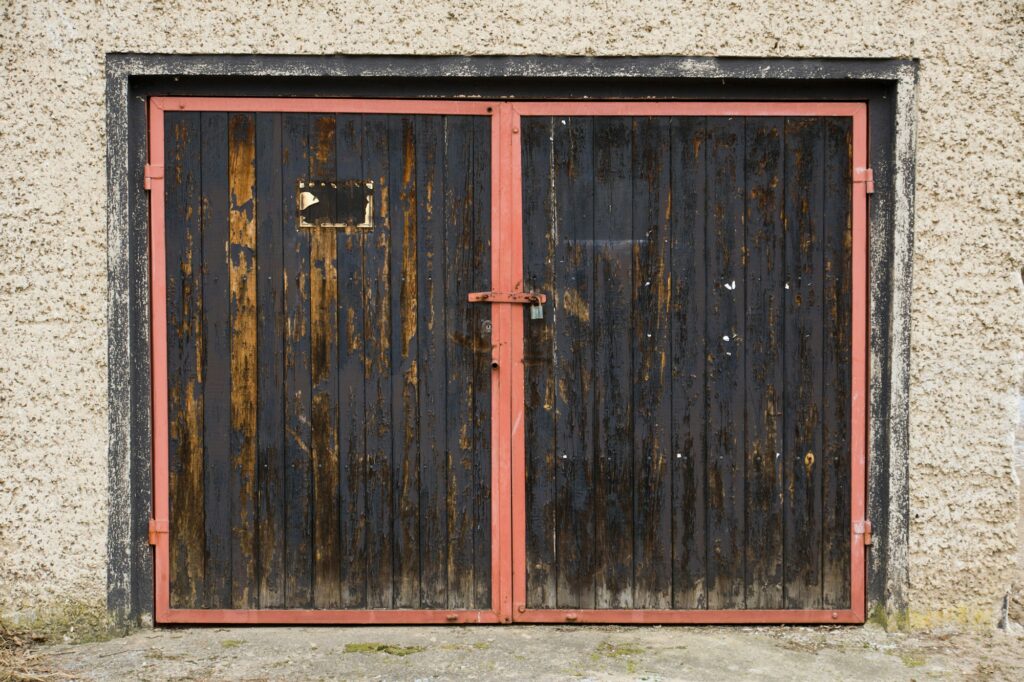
pixel 70 621
pixel 382 648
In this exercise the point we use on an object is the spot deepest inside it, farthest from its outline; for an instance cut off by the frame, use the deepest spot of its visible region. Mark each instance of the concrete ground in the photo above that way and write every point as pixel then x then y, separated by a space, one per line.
pixel 535 653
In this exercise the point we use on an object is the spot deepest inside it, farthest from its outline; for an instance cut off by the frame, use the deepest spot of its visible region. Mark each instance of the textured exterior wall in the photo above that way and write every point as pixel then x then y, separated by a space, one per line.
pixel 968 337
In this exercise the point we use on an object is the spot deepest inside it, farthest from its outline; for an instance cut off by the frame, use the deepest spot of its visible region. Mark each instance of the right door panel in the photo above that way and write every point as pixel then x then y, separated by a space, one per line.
pixel 688 389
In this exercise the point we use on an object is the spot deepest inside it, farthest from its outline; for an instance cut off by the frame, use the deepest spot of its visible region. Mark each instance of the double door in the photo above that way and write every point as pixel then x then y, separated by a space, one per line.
pixel 450 362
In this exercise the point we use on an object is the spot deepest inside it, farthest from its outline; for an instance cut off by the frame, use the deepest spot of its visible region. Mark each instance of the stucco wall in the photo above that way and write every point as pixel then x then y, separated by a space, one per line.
pixel 968 337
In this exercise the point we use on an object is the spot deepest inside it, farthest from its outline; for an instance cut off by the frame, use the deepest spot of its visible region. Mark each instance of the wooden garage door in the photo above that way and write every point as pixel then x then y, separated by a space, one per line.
pixel 688 391
pixel 328 384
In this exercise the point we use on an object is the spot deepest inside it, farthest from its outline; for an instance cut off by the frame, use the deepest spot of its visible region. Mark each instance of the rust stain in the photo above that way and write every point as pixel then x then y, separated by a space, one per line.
pixel 574 304
pixel 408 294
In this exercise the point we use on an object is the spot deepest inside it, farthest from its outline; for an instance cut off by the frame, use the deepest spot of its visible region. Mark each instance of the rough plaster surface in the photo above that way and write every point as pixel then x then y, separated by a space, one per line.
pixel 968 304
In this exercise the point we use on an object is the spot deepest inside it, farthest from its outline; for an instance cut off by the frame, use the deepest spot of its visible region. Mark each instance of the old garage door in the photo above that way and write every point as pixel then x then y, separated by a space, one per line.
pixel 341 435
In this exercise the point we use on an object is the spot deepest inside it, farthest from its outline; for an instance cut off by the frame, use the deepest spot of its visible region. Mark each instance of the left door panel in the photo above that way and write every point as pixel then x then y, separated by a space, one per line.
pixel 328 384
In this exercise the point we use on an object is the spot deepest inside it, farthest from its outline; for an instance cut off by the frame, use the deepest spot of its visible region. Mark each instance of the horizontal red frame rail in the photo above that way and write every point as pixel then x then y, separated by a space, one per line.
pixel 508 456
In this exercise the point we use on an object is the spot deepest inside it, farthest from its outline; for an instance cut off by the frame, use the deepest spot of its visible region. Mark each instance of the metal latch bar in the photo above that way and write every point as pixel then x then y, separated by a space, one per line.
pixel 863 529
pixel 151 172
pixel 520 297
pixel 156 527
pixel 866 176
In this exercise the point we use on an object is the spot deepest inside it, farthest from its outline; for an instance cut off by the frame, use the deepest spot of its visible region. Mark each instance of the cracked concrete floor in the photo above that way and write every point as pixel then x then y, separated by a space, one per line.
pixel 541 653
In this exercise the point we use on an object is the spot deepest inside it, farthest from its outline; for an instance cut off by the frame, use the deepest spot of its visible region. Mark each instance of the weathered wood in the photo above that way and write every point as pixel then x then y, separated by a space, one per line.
pixel 574 359
pixel 351 392
pixel 613 339
pixel 763 355
pixel 480 322
pixel 184 262
pixel 298 484
pixel 243 367
pixel 459 338
pixel 323 306
pixel 270 214
pixel 687 357
pixel 216 359
pixel 836 373
pixel 377 369
pixel 538 357
pixel 804 205
pixel 431 315
pixel 404 295
pixel 652 415
pixel 725 346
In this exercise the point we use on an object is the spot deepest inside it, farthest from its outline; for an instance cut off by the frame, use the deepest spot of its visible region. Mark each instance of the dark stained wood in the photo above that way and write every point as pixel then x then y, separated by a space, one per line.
pixel 804 206
pixel 184 262
pixel 763 355
pixel 351 393
pixel 270 214
pixel 298 480
pixel 217 365
pixel 479 199
pixel 377 368
pixel 725 346
pixel 574 360
pixel 323 306
pixel 404 295
pixel 458 338
pixel 651 382
pixel 431 316
pixel 687 358
pixel 242 302
pixel 836 373
pixel 539 391
pixel 613 333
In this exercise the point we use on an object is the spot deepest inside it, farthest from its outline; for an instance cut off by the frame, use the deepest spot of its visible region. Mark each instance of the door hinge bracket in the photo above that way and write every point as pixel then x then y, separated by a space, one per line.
pixel 862 529
pixel 156 528
pixel 865 176
pixel 520 297
pixel 152 172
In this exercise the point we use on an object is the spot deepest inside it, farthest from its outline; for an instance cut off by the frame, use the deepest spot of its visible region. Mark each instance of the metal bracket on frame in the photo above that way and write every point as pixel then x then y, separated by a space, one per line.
pixel 156 528
pixel 152 172
pixel 862 529
pixel 866 176
pixel 520 297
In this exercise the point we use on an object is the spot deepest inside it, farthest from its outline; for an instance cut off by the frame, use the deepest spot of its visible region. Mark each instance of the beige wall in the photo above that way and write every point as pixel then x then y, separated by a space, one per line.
pixel 967 349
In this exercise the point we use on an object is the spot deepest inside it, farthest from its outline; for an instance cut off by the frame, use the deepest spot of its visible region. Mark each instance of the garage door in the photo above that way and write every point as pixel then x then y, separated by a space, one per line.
pixel 456 362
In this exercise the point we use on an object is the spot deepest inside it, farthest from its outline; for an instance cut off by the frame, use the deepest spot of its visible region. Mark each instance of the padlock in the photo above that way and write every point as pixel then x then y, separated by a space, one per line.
pixel 536 311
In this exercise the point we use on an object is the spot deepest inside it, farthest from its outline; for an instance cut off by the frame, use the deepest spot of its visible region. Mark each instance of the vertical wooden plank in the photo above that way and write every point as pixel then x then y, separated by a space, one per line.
pixel 539 238
pixel 242 303
pixel 430 134
pixel 377 369
pixel 404 357
pixel 804 161
pixel 836 374
pixel 184 255
pixel 479 200
pixel 613 383
pixel 725 352
pixel 687 311
pixel 351 393
pixel 323 306
pixel 763 358
pixel 270 354
pixel 297 376
pixel 217 360
pixel 574 359
pixel 652 416
pixel 457 247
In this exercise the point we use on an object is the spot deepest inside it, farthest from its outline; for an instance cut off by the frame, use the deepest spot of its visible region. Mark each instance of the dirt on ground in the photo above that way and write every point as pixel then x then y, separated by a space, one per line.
pixel 525 652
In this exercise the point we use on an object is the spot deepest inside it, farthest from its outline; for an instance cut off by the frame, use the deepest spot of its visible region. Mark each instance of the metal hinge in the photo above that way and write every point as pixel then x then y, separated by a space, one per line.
pixel 157 527
pixel 863 529
pixel 866 176
pixel 151 172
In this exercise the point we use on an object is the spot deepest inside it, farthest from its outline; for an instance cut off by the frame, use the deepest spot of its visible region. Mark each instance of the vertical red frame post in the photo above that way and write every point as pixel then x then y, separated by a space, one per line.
pixel 858 460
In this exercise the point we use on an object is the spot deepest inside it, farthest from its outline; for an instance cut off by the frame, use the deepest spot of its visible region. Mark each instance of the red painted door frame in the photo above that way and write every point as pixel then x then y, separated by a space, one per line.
pixel 508 510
